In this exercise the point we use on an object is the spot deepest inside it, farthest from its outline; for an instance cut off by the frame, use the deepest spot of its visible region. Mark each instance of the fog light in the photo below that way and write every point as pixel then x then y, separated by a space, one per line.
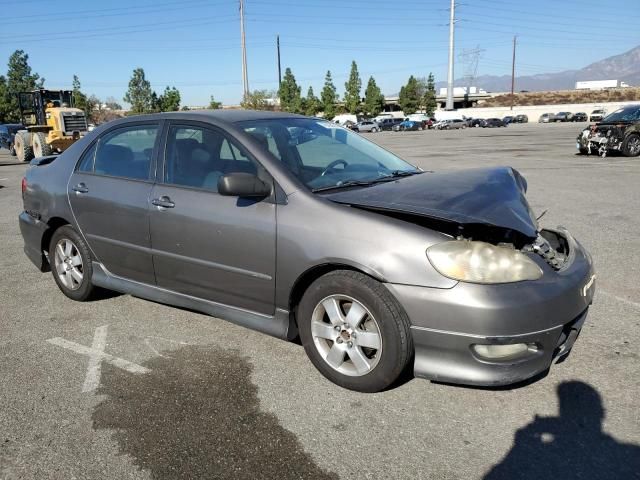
pixel 502 351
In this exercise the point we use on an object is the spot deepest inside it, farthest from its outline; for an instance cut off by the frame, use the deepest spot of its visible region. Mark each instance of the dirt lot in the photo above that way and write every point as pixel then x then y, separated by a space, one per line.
pixel 197 397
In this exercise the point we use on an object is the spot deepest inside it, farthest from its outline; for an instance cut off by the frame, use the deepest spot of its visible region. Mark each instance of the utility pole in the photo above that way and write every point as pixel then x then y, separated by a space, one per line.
pixel 279 67
pixel 450 75
pixel 513 70
pixel 245 80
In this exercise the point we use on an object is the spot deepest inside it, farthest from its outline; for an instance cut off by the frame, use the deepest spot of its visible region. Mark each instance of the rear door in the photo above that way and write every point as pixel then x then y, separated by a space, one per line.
pixel 206 245
pixel 109 195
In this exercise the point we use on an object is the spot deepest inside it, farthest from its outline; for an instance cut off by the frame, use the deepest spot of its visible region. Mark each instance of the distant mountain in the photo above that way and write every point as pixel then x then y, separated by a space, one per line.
pixel 625 67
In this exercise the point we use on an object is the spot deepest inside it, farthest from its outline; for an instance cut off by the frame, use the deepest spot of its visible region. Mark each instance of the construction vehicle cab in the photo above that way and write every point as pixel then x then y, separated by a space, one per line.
pixel 52 123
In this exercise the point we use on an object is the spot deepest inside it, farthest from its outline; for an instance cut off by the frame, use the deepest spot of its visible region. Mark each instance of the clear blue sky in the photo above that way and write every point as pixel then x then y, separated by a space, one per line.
pixel 195 44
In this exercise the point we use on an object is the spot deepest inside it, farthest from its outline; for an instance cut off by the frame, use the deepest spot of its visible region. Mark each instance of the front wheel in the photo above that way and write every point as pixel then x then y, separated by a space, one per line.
pixel 70 261
pixel 354 331
pixel 631 145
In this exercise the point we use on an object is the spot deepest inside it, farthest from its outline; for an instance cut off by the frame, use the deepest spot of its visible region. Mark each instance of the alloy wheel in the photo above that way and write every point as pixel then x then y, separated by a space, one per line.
pixel 633 145
pixel 68 264
pixel 346 335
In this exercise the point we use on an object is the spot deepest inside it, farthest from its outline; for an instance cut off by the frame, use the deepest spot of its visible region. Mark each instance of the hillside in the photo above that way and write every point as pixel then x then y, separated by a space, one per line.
pixel 566 96
pixel 625 67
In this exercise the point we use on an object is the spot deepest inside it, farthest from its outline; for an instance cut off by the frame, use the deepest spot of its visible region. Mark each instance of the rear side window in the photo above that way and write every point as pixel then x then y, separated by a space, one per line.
pixel 126 152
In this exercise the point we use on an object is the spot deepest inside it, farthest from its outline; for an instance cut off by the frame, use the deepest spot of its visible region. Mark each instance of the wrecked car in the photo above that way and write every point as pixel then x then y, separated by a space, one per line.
pixel 300 228
pixel 617 132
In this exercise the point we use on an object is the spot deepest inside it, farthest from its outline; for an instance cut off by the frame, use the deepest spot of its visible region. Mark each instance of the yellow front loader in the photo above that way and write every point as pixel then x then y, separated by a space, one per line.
pixel 52 123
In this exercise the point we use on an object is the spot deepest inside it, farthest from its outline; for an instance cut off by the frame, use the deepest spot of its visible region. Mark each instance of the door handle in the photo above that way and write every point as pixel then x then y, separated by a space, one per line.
pixel 163 202
pixel 80 188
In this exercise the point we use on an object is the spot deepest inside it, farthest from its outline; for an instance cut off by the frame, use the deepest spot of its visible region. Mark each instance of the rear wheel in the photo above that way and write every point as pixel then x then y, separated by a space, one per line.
pixel 374 129
pixel 22 146
pixel 354 331
pixel 631 145
pixel 40 146
pixel 70 261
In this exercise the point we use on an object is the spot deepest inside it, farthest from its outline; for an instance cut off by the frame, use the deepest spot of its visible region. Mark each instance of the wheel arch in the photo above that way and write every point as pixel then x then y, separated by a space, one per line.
pixel 310 275
pixel 53 224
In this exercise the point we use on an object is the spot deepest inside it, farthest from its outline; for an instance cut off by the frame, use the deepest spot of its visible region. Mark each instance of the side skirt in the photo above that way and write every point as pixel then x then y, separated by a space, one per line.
pixel 278 325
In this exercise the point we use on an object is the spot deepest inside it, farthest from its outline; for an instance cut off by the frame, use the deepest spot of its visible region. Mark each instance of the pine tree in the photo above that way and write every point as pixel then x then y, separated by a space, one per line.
pixel 19 79
pixel 213 105
pixel 80 100
pixel 352 90
pixel 328 97
pixel 312 104
pixel 429 102
pixel 140 95
pixel 169 101
pixel 373 98
pixel 289 93
pixel 410 97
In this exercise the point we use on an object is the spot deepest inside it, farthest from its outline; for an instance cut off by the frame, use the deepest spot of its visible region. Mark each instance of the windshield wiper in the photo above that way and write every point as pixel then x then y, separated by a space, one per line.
pixel 365 183
pixel 350 183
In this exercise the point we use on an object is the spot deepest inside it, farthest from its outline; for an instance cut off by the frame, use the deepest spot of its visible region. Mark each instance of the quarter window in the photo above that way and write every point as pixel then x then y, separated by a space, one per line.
pixel 126 152
pixel 86 162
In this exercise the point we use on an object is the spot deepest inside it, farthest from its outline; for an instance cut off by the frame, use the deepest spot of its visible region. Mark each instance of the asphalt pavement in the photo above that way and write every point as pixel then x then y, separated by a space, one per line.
pixel 125 388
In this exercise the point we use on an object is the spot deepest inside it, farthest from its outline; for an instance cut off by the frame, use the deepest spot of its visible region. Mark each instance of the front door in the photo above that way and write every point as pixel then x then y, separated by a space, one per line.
pixel 204 244
pixel 109 195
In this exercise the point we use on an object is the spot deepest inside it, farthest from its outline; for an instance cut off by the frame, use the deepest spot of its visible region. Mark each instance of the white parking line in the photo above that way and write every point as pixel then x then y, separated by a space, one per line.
pixel 620 299
pixel 96 356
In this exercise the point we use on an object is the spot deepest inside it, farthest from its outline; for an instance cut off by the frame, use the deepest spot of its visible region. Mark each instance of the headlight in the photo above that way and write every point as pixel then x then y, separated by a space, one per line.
pixel 480 262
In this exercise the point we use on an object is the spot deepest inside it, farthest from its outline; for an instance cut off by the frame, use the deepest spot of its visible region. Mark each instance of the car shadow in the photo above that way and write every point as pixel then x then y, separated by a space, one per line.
pixel 571 445
pixel 197 414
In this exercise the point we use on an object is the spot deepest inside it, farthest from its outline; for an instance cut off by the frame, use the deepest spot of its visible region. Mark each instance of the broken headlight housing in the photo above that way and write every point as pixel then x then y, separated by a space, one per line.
pixel 480 262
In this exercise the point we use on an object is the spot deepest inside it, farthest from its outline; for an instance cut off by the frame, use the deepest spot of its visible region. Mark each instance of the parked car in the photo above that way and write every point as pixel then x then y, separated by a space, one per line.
pixel 7 134
pixel 597 115
pixel 366 126
pixel 408 125
pixel 452 124
pixel 249 216
pixel 508 119
pixel 493 122
pixel 561 117
pixel 617 132
pixel 521 119
pixel 389 123
pixel 475 122
pixel 579 117
pixel 545 118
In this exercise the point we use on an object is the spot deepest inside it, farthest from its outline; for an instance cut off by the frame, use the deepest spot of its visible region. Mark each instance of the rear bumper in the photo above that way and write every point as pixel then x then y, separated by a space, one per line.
pixel 546 315
pixel 32 231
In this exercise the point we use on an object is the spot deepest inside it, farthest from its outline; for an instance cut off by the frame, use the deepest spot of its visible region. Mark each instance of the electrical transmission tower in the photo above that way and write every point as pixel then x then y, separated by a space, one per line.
pixel 470 57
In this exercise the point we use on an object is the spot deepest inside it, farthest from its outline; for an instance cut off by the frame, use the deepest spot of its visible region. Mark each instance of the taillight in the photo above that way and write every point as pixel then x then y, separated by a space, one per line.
pixel 24 186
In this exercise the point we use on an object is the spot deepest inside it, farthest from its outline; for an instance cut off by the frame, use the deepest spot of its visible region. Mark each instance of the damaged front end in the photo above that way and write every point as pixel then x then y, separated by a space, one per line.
pixel 601 139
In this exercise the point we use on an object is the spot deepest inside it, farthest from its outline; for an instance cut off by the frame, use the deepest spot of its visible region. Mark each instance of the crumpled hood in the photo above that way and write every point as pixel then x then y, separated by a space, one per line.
pixel 491 196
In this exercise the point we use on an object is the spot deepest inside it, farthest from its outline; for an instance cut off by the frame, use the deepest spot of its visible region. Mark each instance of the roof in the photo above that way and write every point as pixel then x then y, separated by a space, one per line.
pixel 230 116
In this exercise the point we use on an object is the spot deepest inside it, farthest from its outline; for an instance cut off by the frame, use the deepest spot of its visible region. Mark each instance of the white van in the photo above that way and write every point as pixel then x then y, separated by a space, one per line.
pixel 344 118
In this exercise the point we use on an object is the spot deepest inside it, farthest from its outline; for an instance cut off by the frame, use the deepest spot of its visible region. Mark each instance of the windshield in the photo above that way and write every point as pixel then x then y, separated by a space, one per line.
pixel 626 114
pixel 324 155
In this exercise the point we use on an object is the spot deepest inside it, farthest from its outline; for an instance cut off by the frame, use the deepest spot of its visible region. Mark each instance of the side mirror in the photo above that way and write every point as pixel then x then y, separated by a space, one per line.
pixel 240 184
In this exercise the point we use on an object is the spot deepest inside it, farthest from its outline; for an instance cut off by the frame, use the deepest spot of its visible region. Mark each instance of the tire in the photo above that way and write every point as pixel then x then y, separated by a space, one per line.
pixel 383 323
pixel 69 253
pixel 40 146
pixel 631 145
pixel 22 146
pixel 374 130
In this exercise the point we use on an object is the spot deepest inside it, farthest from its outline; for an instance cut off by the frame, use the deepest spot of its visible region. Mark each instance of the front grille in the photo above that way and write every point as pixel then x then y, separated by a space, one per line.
pixel 74 123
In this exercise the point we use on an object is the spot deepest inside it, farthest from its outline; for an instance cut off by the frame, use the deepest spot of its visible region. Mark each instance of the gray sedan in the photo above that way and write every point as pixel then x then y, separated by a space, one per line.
pixel 366 126
pixel 299 228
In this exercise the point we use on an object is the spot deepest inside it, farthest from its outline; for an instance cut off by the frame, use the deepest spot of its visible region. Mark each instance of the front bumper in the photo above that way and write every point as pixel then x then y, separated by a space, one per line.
pixel 33 230
pixel 546 314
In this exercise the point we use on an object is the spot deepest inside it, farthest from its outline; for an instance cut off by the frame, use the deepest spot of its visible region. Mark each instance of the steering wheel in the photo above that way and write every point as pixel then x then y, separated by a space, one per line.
pixel 333 165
